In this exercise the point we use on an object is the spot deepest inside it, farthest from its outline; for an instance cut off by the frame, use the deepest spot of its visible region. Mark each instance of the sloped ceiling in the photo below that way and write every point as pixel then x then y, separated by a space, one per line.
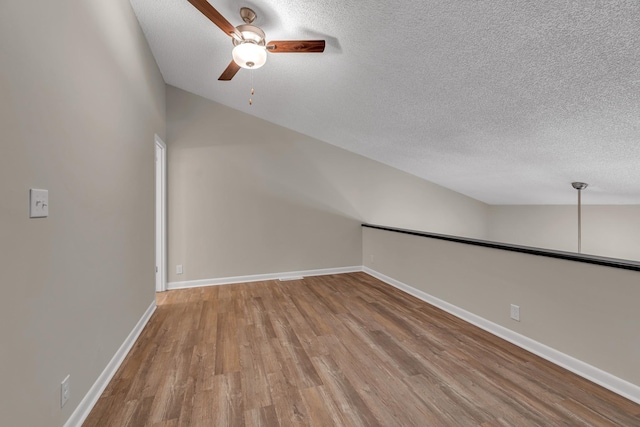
pixel 505 101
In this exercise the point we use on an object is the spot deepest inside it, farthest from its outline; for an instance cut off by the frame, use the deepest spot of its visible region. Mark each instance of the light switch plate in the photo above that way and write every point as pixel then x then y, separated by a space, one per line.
pixel 38 203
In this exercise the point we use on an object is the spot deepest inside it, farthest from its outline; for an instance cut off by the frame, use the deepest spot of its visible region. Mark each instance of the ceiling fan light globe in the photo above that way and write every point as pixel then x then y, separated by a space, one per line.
pixel 249 55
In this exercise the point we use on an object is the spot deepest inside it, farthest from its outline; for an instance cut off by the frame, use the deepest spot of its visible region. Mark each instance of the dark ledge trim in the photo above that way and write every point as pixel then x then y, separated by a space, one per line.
pixel 570 256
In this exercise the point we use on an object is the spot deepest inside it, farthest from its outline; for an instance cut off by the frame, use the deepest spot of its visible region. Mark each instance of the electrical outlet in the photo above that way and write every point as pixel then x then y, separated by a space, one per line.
pixel 65 390
pixel 515 312
pixel 179 269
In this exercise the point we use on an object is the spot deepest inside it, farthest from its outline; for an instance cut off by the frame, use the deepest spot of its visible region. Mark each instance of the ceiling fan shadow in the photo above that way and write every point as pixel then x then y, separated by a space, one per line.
pixel 330 41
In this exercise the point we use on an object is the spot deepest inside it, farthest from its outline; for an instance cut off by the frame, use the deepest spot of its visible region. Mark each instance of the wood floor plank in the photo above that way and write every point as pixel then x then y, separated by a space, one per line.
pixel 262 417
pixel 388 399
pixel 102 410
pixel 203 409
pixel 315 320
pixel 446 411
pixel 227 358
pixel 351 403
pixel 142 411
pixel 255 387
pixel 403 359
pixel 288 403
pixel 323 410
pixel 328 298
pixel 261 318
pixel 297 359
pixel 227 400
pixel 208 322
pixel 343 350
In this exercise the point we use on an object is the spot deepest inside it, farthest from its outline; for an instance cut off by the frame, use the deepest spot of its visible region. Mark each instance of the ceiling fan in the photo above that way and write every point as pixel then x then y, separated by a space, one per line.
pixel 250 49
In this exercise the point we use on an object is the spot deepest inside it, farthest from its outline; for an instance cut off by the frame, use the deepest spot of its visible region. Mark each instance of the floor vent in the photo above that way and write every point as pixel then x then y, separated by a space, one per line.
pixel 287 279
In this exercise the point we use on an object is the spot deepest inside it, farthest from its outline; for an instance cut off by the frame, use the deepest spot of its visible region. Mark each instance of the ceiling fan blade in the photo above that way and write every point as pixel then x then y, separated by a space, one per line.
pixel 210 12
pixel 231 71
pixel 291 46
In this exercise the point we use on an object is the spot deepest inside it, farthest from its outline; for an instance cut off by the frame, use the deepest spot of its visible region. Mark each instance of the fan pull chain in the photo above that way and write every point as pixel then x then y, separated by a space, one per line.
pixel 252 91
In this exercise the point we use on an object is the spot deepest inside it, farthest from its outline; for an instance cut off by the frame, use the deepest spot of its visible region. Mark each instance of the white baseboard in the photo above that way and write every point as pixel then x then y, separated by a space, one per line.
pixel 86 405
pixel 261 277
pixel 596 375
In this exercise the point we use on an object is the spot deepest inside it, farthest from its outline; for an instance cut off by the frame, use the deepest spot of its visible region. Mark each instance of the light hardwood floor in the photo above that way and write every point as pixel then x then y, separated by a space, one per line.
pixel 342 350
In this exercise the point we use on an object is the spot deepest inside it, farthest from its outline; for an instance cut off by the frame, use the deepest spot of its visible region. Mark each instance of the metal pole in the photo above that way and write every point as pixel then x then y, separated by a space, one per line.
pixel 579 186
pixel 579 220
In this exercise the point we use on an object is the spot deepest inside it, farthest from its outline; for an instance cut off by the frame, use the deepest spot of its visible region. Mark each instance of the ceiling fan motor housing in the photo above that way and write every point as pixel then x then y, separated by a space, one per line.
pixel 250 33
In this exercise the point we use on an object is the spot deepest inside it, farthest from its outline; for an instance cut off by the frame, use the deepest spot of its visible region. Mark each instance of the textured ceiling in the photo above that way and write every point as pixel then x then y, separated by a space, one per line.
pixel 505 101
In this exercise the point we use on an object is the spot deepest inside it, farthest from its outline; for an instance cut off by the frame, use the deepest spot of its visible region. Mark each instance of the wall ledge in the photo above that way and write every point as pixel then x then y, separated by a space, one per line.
pixel 570 256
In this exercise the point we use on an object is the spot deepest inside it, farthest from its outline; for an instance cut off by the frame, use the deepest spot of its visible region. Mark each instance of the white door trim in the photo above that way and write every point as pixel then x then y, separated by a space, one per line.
pixel 160 149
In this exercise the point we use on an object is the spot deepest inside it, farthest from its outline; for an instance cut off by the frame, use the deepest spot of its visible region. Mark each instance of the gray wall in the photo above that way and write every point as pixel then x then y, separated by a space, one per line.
pixel 250 197
pixel 610 231
pixel 80 100
pixel 586 311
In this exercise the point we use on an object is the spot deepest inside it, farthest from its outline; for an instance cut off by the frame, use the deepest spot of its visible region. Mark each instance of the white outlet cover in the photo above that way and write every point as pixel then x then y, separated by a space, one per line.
pixel 179 269
pixel 38 203
pixel 65 390
pixel 515 312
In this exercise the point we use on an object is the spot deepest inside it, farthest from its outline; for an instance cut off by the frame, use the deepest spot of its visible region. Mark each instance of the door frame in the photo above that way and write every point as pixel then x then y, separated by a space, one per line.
pixel 160 152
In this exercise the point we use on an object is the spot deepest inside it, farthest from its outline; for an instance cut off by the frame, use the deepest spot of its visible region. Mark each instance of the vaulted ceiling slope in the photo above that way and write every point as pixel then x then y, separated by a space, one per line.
pixel 505 101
